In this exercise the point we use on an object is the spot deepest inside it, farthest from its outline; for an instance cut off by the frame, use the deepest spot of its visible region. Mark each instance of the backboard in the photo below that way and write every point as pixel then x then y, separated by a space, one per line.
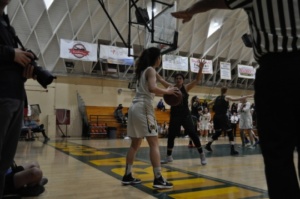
pixel 164 26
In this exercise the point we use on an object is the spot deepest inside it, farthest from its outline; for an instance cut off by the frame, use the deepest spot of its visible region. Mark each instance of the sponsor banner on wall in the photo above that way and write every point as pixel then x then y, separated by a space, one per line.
pixel 225 70
pixel 115 55
pixel 247 72
pixel 78 50
pixel 175 62
pixel 207 69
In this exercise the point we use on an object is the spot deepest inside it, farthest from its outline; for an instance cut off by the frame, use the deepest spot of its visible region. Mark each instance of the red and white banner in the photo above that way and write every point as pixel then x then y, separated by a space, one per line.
pixel 225 70
pixel 174 62
pixel 115 55
pixel 207 69
pixel 78 50
pixel 247 72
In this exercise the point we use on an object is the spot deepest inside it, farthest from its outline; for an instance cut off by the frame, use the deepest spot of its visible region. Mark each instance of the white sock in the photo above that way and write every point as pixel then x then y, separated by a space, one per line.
pixel 128 168
pixel 157 172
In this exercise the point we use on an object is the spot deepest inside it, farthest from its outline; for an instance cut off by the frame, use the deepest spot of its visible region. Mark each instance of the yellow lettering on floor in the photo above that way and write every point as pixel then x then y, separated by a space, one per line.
pixel 114 162
pixel 137 172
pixel 79 150
pixel 186 184
pixel 146 174
pixel 216 193
pixel 191 183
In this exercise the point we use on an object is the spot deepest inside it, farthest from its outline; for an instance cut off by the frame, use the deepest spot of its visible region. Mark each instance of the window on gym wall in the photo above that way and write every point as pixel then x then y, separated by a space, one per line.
pixel 48 3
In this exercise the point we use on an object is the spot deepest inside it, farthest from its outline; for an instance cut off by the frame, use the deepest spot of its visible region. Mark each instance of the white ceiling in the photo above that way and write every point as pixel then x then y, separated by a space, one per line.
pixel 86 20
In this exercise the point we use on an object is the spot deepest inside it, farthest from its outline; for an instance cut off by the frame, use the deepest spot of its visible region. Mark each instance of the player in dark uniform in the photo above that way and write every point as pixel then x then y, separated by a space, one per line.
pixel 195 108
pixel 181 114
pixel 221 120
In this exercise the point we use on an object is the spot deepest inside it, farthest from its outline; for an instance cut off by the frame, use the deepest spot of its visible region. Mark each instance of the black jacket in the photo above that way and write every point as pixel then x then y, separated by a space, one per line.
pixel 11 79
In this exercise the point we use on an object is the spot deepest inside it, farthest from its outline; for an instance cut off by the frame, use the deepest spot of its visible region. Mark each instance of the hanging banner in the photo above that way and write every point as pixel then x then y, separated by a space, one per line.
pixel 78 50
pixel 225 70
pixel 115 55
pixel 174 62
pixel 247 72
pixel 207 69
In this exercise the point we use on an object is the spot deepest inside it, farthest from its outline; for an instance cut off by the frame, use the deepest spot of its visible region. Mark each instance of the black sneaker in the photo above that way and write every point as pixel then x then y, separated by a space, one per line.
pixel 129 180
pixel 208 147
pixel 31 191
pixel 161 183
pixel 11 196
pixel 234 152
pixel 43 181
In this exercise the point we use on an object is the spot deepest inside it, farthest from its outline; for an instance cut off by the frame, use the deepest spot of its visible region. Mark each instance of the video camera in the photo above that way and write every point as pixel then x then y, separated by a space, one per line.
pixel 44 77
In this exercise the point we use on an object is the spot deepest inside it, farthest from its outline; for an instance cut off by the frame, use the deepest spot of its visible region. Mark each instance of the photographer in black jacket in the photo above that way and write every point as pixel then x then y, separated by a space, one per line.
pixel 14 70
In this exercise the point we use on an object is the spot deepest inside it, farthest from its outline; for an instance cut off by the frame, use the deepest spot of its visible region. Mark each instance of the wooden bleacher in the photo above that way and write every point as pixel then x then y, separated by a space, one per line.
pixel 102 116
pixel 162 116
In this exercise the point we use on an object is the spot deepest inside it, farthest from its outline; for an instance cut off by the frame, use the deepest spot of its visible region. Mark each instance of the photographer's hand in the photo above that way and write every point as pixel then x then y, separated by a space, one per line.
pixel 22 57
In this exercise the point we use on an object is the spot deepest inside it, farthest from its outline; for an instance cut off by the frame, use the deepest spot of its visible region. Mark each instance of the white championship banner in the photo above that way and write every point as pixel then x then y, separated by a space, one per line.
pixel 247 72
pixel 207 69
pixel 115 55
pixel 225 70
pixel 174 62
pixel 78 50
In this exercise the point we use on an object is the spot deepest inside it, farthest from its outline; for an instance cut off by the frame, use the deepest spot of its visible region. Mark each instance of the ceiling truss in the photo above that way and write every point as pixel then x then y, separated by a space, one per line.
pixel 41 29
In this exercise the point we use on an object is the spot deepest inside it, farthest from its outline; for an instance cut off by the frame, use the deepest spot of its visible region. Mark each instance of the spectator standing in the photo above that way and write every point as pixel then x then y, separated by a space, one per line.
pixel 15 69
pixel 118 114
pixel 205 118
pixel 165 129
pixel 205 104
pixel 195 109
pixel 233 108
pixel 234 119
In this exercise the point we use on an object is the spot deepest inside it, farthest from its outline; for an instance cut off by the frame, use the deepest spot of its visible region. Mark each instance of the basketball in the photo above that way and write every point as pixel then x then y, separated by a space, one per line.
pixel 173 100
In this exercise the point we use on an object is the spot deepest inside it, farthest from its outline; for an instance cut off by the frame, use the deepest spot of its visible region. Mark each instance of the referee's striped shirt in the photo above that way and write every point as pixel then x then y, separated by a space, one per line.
pixel 274 24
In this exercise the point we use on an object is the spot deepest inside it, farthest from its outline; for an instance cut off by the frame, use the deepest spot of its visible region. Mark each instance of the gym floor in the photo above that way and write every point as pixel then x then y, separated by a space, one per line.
pixel 93 168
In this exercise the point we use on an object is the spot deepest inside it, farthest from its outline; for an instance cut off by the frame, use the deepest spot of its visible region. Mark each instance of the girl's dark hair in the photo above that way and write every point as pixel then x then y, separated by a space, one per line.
pixel 147 58
pixel 193 100
pixel 223 90
pixel 179 74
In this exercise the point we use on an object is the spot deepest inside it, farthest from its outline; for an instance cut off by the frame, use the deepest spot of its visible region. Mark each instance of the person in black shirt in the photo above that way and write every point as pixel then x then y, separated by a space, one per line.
pixel 195 109
pixel 233 108
pixel 221 120
pixel 15 68
pixel 274 29
pixel 205 104
pixel 180 115
pixel 234 119
pixel 118 114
